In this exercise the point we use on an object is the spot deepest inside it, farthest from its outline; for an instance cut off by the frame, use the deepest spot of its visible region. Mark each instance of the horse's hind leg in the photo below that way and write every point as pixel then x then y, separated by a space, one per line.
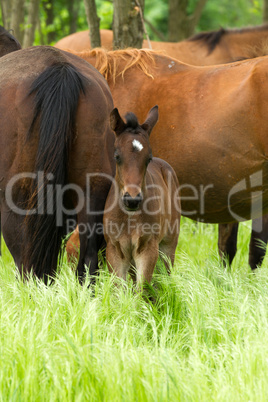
pixel 11 227
pixel 227 241
pixel 91 240
pixel 89 246
pixel 0 237
pixel 258 241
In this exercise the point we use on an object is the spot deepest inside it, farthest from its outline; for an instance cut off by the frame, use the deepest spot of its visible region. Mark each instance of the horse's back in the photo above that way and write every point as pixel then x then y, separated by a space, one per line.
pixel 18 72
pixel 80 41
pixel 26 63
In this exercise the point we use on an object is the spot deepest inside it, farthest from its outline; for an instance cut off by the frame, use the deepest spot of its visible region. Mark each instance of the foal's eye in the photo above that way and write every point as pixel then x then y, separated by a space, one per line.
pixel 149 160
pixel 117 158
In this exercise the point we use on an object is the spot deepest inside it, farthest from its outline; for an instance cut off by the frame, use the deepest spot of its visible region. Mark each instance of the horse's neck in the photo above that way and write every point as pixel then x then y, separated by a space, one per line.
pixel 162 65
pixel 240 44
pixel 84 55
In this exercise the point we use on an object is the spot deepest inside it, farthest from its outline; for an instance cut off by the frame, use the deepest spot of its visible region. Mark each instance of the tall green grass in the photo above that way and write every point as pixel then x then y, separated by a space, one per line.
pixel 202 338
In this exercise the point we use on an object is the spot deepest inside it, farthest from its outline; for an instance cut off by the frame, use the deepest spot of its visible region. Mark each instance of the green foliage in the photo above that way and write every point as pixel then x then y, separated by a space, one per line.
pixel 202 338
pixel 157 14
pixel 230 14
pixel 225 13
pixel 105 11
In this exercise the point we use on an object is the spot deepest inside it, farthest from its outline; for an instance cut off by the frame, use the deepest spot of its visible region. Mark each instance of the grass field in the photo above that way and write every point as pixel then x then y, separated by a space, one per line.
pixel 204 338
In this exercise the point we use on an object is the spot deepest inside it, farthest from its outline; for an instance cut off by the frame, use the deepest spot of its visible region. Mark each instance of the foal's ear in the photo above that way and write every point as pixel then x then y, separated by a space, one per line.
pixel 151 120
pixel 116 122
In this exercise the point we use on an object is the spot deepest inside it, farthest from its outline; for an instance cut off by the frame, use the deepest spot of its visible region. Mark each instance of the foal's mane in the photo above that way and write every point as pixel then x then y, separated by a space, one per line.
pixel 132 123
pixel 213 38
pixel 108 62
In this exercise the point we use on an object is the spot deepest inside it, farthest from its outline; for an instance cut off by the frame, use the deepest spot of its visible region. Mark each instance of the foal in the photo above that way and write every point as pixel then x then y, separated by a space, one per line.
pixel 142 210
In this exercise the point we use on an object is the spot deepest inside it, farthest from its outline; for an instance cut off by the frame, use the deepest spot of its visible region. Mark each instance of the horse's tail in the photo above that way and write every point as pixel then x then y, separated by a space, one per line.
pixel 57 90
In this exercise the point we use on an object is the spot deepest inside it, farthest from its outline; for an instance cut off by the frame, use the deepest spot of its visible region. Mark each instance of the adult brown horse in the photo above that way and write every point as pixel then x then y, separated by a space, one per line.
pixel 142 210
pixel 206 48
pixel 8 43
pixel 80 41
pixel 203 49
pixel 215 138
pixel 56 146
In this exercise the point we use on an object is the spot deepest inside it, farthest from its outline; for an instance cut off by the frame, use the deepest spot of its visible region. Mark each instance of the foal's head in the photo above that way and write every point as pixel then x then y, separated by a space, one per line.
pixel 132 154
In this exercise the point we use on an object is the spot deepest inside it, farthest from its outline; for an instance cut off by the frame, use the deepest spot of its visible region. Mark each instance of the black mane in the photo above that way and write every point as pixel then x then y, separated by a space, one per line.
pixel 213 38
pixel 8 35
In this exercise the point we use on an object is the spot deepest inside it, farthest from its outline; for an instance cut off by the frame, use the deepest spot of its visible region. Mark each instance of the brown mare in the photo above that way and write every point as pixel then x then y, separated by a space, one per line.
pixel 55 131
pixel 142 210
pixel 212 127
pixel 203 49
pixel 207 48
pixel 8 43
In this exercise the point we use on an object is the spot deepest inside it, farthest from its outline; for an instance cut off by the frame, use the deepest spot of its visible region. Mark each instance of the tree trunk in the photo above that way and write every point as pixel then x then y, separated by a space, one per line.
pixel 127 24
pixel 42 42
pixel 73 9
pixel 33 10
pixel 176 18
pixel 17 19
pixel 93 23
pixel 49 9
pixel 265 11
pixel 180 24
pixel 6 12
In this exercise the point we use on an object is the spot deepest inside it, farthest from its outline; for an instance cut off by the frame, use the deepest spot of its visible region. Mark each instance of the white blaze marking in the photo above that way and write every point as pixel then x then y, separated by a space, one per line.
pixel 137 145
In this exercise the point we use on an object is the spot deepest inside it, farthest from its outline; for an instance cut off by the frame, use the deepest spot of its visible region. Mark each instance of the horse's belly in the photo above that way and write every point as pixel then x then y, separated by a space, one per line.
pixel 224 195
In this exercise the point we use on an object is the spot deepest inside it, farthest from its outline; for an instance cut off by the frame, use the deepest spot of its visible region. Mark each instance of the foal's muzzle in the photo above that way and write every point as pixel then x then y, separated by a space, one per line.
pixel 132 204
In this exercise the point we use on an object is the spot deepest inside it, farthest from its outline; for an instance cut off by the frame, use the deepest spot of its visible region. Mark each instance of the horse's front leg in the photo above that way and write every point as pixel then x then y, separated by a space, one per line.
pixel 258 241
pixel 145 261
pixel 227 241
pixel 117 262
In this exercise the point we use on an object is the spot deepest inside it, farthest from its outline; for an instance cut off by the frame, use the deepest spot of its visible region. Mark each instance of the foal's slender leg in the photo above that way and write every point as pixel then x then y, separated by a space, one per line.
pixel 145 263
pixel 227 241
pixel 117 264
pixel 256 249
